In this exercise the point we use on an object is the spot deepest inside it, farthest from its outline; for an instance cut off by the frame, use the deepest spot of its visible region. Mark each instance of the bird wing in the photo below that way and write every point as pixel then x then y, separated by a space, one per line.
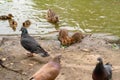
pixel 32 39
pixel 29 44
pixel 108 69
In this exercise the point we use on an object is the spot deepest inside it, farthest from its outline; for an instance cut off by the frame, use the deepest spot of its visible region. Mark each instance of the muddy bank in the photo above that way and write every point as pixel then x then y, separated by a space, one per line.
pixel 78 60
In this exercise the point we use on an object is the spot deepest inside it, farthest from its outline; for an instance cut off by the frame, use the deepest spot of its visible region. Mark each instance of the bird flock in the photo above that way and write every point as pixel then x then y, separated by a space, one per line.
pixel 12 23
pixel 52 69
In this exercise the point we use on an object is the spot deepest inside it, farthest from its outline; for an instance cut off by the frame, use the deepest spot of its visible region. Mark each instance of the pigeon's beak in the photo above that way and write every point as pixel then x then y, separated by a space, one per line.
pixel 97 62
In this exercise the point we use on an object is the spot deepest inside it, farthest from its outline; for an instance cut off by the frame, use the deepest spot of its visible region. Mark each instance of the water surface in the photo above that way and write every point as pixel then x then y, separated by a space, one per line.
pixel 91 16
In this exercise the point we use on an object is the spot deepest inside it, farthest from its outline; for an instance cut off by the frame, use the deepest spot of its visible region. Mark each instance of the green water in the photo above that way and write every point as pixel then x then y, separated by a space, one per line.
pixel 91 16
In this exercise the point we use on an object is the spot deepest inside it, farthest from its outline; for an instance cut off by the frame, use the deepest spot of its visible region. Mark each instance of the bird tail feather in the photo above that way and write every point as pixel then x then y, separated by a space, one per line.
pixel 42 52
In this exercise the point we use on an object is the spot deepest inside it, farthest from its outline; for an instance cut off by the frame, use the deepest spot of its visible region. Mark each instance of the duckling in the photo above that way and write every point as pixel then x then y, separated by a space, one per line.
pixel 6 17
pixel 13 24
pixel 64 37
pixel 76 37
pixel 27 23
pixel 52 17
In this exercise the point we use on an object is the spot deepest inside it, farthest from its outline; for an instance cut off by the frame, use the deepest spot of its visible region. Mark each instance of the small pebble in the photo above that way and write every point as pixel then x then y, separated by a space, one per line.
pixel 4 59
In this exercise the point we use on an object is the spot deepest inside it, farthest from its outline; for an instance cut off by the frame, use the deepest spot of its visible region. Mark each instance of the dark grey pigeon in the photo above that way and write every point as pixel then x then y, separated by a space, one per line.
pixel 30 44
pixel 101 71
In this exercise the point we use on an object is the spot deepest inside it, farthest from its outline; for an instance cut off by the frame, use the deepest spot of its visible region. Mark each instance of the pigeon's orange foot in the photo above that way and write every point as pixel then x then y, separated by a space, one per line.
pixel 30 54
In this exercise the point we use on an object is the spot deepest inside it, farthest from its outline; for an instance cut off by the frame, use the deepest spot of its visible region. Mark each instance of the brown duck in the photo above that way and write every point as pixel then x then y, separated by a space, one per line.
pixel 13 24
pixel 6 17
pixel 52 17
pixel 27 23
pixel 64 38
pixel 76 37
pixel 67 40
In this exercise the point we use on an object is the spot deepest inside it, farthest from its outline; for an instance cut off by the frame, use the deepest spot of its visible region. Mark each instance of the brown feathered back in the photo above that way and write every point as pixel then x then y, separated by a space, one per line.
pixel 64 38
pixel 76 37
pixel 49 71
pixel 27 23
pixel 13 24
pixel 6 17
pixel 51 16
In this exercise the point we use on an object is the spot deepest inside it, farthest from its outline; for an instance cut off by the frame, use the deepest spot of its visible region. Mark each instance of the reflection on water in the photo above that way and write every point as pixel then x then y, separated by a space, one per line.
pixel 85 15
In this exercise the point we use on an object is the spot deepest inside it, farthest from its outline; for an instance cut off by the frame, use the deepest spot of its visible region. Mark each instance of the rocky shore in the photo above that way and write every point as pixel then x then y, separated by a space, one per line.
pixel 78 60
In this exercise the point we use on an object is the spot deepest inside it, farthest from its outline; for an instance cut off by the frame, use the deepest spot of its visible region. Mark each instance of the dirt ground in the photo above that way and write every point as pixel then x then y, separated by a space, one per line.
pixel 78 60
